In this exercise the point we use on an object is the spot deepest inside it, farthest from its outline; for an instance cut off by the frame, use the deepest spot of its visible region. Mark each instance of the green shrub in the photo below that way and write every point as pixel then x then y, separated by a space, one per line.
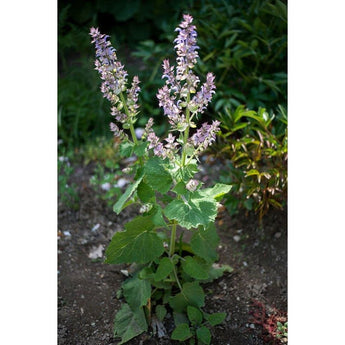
pixel 255 146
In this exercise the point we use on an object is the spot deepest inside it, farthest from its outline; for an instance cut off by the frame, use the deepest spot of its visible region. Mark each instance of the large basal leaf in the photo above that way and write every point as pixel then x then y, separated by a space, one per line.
pixel 137 292
pixel 137 244
pixel 157 176
pixel 126 195
pixel 129 324
pixel 190 214
pixel 204 243
pixel 191 294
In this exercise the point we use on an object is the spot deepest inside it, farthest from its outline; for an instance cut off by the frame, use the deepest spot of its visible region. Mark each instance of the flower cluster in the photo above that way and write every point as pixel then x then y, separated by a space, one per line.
pixel 179 97
pixel 175 96
pixel 205 135
pixel 114 83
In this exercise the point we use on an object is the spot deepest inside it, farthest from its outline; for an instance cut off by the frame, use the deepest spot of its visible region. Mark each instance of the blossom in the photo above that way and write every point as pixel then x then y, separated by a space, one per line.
pixel 111 71
pixel 204 96
pixel 205 135
pixel 186 48
pixel 192 185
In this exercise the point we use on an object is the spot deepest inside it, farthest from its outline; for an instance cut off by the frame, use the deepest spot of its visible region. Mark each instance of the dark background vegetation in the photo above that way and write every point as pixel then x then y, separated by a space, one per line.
pixel 243 42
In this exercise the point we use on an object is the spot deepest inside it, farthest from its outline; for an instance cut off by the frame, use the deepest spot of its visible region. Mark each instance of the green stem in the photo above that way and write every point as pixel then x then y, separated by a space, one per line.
pixel 186 132
pixel 172 239
pixel 131 127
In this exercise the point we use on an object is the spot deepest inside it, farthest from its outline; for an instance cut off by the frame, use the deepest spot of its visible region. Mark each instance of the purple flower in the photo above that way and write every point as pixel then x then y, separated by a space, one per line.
pixel 110 69
pixel 186 48
pixel 204 96
pixel 205 135
pixel 192 185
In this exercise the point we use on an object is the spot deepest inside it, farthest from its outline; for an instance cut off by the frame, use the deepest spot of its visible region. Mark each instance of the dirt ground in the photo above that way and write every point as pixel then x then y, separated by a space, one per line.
pixel 254 294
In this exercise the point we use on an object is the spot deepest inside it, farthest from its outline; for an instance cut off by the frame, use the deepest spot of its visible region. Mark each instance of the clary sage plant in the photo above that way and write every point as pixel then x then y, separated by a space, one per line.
pixel 168 271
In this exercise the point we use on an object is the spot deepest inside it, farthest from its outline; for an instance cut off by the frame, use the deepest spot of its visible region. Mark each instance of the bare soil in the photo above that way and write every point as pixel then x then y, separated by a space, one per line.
pixel 87 287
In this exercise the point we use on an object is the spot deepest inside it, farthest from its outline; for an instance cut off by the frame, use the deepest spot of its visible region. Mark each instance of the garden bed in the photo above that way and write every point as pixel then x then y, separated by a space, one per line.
pixel 253 295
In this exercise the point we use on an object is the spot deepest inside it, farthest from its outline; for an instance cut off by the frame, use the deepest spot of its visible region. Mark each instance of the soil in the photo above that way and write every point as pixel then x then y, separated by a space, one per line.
pixel 87 287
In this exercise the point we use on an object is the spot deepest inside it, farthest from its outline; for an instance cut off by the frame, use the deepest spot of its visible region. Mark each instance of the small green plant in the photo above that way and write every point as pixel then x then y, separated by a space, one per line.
pixel 282 332
pixel 67 192
pixel 168 271
pixel 255 144
pixel 105 182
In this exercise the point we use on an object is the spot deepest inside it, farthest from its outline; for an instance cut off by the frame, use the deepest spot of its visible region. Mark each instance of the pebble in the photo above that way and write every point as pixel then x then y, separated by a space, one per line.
pixel 237 238
pixel 96 252
pixel 252 326
pixel 96 227
pixel 67 233
pixel 277 235
pixel 245 264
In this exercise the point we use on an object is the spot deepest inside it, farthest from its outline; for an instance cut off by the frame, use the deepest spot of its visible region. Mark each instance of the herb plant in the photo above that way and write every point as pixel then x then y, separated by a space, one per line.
pixel 168 269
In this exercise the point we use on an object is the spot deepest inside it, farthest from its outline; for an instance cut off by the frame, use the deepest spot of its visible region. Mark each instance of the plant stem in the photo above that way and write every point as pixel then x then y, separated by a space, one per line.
pixel 186 132
pixel 172 239
pixel 131 127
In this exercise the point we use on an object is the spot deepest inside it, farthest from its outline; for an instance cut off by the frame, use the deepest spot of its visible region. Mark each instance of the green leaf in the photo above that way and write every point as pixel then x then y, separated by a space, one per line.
pixel 157 176
pixel 216 192
pixel 139 149
pixel 126 149
pixel 165 267
pixel 181 332
pixel 195 268
pixel 137 244
pixel 216 318
pixel 204 335
pixel 190 214
pixel 194 315
pixel 145 192
pixel 216 271
pixel 126 195
pixel 191 294
pixel 137 292
pixel 204 243
pixel 160 312
pixel 179 318
pixel 129 324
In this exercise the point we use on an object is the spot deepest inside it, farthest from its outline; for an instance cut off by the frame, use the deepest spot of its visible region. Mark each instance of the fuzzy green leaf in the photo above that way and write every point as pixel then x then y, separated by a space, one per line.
pixel 126 195
pixel 195 267
pixel 165 267
pixel 137 244
pixel 137 292
pixel 126 149
pixel 204 335
pixel 145 192
pixel 194 315
pixel 139 149
pixel 216 192
pixel 216 318
pixel 157 176
pixel 190 214
pixel 204 243
pixel 192 294
pixel 181 332
pixel 129 324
